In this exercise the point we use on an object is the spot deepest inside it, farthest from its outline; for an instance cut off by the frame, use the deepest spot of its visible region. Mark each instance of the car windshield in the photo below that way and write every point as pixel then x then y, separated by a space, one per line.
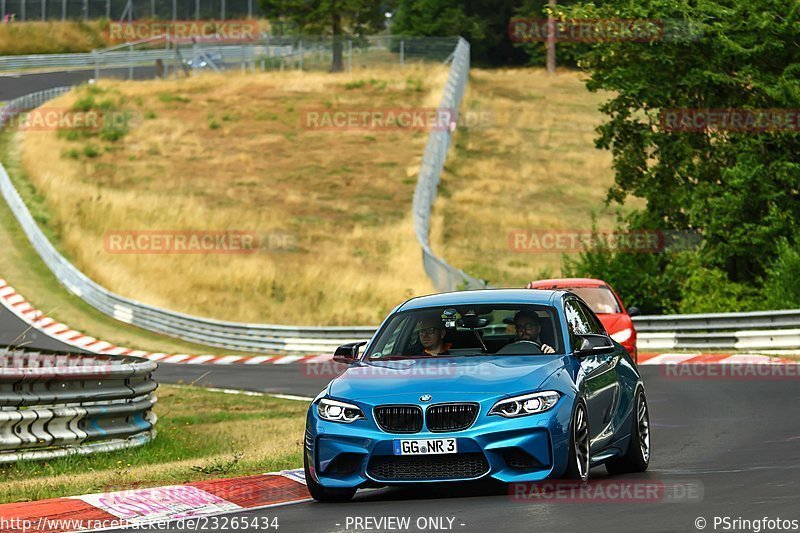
pixel 599 299
pixel 469 330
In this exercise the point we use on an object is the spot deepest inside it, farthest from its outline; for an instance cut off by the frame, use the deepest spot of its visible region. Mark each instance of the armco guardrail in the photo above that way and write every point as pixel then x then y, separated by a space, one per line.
pixel 125 58
pixel 444 276
pixel 240 336
pixel 764 330
pixel 53 405
pixel 760 330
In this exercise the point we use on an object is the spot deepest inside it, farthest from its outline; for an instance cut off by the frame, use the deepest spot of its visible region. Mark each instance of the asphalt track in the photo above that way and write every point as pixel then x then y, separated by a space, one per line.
pixel 737 441
pixel 13 86
pixel 734 443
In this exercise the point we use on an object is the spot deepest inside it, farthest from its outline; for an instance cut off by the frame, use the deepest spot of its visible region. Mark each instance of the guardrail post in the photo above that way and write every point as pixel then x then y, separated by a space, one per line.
pixel 44 10
pixel 96 58
pixel 350 55
pixel 402 52
pixel 3 9
pixel 23 4
pixel 63 10
pixel 301 54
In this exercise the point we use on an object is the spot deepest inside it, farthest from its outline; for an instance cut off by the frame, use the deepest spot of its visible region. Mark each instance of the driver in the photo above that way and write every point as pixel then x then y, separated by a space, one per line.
pixel 528 325
pixel 431 336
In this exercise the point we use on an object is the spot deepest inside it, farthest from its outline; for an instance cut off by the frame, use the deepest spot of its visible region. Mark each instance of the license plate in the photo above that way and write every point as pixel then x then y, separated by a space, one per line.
pixel 424 446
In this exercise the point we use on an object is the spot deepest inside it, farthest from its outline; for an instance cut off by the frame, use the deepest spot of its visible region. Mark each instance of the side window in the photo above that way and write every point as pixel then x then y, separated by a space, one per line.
pixel 390 346
pixel 594 324
pixel 578 324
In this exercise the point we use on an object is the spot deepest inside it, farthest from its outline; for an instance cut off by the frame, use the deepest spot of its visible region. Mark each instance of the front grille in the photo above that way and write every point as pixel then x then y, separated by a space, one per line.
pixel 399 418
pixel 451 416
pixel 425 467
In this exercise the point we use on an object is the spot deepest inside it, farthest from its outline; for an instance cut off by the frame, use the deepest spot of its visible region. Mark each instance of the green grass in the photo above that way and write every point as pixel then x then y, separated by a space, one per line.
pixel 201 435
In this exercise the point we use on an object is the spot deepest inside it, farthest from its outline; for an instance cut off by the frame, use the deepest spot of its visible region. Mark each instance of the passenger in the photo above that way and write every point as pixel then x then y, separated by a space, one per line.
pixel 529 326
pixel 431 335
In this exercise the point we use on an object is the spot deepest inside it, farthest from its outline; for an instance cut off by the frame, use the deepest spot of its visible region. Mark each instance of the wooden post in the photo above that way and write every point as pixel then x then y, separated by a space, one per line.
pixel 551 38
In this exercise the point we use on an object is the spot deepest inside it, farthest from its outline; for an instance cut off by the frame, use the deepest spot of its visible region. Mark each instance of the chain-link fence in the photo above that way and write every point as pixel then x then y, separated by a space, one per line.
pixel 164 58
pixel 444 276
pixel 28 10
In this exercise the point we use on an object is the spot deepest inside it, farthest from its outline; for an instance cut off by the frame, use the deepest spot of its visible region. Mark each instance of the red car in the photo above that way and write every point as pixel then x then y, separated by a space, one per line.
pixel 605 303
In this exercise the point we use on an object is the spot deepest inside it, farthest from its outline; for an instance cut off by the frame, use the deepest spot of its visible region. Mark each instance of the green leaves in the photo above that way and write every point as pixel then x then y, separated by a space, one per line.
pixel 740 188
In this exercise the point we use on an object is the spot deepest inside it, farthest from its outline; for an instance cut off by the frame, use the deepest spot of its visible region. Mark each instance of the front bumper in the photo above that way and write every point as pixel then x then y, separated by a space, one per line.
pixel 525 449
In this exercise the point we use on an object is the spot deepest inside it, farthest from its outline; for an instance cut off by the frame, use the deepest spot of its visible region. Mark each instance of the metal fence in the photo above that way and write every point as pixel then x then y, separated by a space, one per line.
pixel 766 330
pixel 444 276
pixel 53 405
pixel 32 10
pixel 138 60
pixel 240 336
pixel 761 330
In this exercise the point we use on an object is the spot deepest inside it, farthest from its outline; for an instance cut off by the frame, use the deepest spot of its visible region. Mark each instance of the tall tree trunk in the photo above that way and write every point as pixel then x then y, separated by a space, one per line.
pixel 551 38
pixel 338 64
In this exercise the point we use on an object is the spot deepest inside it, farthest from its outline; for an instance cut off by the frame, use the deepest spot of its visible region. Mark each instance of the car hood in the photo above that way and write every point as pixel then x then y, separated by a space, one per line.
pixel 615 322
pixel 464 375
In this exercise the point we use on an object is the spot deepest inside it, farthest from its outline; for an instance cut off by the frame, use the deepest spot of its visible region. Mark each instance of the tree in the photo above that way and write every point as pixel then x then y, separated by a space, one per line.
pixel 484 23
pixel 740 189
pixel 337 18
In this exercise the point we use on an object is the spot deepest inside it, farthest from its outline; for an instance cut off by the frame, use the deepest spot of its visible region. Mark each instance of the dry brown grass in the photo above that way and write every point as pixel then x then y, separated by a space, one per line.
pixel 53 37
pixel 50 37
pixel 206 155
pixel 534 168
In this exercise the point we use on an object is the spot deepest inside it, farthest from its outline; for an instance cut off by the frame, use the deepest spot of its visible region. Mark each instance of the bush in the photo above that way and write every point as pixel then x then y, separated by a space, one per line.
pixel 91 150
pixel 782 284
pixel 708 290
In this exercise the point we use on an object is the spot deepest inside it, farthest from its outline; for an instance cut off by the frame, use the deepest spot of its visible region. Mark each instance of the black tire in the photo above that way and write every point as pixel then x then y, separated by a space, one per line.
pixel 322 494
pixel 580 459
pixel 637 458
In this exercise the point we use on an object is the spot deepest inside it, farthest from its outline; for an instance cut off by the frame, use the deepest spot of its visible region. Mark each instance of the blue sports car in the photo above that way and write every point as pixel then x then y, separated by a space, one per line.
pixel 517 385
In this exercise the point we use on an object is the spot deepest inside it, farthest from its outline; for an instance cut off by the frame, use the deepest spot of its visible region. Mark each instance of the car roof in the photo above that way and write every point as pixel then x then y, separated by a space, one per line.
pixel 570 282
pixel 484 296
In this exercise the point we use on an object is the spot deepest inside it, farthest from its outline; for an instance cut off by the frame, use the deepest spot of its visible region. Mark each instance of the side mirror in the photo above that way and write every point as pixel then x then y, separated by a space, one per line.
pixel 348 353
pixel 593 345
pixel 634 311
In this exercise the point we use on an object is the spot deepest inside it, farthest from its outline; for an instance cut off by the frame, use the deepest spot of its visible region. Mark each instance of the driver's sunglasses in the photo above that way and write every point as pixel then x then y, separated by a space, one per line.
pixel 527 327
pixel 428 331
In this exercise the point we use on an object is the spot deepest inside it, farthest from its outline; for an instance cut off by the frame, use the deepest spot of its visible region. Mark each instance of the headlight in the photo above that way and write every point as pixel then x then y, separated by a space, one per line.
pixel 335 411
pixel 622 336
pixel 527 404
